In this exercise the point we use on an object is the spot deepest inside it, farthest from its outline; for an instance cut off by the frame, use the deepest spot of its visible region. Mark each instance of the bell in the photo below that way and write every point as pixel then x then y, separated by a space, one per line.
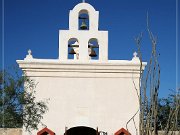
pixel 83 26
pixel 93 53
pixel 72 51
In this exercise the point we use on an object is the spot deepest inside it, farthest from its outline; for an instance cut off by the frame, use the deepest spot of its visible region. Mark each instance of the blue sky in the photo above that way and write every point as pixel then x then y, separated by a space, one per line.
pixel 34 24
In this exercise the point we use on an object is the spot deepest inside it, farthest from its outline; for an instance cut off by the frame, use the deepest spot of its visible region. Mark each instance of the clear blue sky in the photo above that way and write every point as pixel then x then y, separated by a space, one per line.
pixel 34 24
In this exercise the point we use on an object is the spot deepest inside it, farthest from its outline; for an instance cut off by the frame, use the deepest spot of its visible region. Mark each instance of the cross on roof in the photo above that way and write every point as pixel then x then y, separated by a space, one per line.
pixel 29 52
pixel 83 1
pixel 135 54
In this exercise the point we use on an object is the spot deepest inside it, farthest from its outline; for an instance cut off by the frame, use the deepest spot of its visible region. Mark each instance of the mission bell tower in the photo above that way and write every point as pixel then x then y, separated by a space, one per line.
pixel 88 93
pixel 83 36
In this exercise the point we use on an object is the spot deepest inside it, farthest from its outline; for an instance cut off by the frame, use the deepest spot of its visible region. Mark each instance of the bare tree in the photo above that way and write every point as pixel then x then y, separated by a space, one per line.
pixel 149 84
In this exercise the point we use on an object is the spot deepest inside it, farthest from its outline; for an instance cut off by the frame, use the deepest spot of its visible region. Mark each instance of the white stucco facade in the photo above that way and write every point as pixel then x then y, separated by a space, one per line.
pixel 84 92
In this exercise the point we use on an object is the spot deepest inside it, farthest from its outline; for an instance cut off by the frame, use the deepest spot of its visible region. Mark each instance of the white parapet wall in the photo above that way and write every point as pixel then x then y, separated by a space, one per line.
pixel 92 94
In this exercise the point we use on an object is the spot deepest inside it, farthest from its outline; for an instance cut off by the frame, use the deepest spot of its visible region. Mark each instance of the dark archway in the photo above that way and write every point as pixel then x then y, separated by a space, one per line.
pixel 81 130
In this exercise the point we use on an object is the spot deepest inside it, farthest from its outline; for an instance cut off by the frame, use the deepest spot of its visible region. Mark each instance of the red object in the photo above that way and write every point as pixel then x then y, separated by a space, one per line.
pixel 122 131
pixel 45 131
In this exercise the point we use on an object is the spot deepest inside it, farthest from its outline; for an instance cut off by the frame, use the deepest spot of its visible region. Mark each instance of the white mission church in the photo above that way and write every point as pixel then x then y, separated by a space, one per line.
pixel 89 94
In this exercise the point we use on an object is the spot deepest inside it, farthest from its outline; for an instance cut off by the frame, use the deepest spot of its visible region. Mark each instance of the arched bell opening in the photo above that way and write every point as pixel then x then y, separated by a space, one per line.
pixel 81 130
pixel 93 49
pixel 73 49
pixel 83 18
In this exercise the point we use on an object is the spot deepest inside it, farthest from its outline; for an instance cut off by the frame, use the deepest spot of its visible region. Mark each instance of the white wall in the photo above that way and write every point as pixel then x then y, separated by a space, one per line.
pixel 88 94
pixel 95 93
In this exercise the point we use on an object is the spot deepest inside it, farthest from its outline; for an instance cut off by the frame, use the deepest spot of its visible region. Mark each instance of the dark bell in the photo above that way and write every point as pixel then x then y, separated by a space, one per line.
pixel 72 51
pixel 93 53
pixel 83 26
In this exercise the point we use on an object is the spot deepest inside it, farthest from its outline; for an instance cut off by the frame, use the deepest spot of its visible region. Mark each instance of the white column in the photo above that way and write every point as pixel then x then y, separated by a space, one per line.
pixel 83 49
pixel 73 20
pixel 103 47
pixel 94 21
pixel 63 45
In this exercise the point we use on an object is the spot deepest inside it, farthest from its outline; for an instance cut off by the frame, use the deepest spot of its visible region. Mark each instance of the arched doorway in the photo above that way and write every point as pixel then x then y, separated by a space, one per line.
pixel 81 130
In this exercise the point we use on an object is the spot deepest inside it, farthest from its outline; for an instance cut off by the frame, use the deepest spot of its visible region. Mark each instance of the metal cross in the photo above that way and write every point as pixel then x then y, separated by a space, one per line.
pixel 83 1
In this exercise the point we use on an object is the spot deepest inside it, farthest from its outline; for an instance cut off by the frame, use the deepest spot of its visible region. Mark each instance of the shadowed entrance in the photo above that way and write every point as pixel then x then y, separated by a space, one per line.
pixel 81 130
